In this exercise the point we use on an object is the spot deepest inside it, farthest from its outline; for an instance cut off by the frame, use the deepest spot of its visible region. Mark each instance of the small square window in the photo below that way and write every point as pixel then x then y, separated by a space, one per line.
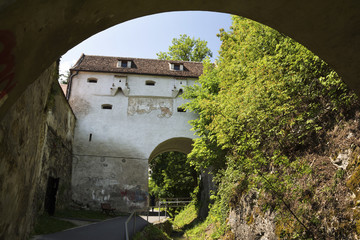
pixel 176 67
pixel 124 64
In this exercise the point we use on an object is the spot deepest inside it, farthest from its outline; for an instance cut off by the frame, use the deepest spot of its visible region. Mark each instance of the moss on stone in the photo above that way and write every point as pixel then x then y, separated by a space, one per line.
pixel 249 219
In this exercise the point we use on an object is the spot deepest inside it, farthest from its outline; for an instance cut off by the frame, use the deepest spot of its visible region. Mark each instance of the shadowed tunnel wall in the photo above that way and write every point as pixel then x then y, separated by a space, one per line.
pixel 36 33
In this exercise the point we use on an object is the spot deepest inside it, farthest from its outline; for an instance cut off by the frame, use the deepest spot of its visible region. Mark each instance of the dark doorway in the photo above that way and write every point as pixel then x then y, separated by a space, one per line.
pixel 50 197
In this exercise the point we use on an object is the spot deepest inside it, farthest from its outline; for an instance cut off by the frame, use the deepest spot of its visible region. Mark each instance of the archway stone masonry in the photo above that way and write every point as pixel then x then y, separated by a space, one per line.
pixel 35 33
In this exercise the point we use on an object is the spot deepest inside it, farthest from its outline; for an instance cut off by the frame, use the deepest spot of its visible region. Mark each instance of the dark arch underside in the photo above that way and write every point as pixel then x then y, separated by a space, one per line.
pixel 34 34
pixel 183 145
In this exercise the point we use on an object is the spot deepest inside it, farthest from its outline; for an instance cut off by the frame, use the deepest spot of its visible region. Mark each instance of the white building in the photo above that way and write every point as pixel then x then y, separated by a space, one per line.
pixel 128 110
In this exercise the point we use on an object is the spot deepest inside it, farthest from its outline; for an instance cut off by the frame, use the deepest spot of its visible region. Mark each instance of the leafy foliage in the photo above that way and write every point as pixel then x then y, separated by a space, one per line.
pixel 151 232
pixel 186 49
pixel 186 217
pixel 266 99
pixel 172 176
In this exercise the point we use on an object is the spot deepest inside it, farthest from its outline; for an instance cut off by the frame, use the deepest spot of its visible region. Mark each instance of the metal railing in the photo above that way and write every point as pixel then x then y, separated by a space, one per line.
pixel 133 214
pixel 173 203
pixel 164 202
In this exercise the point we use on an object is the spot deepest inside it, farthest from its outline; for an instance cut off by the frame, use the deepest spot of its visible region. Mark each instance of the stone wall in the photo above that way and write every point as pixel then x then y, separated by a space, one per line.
pixel 35 143
pixel 207 186
pixel 248 221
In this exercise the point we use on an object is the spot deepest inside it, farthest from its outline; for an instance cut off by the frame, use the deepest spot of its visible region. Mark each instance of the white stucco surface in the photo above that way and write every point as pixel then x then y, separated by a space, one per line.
pixel 112 146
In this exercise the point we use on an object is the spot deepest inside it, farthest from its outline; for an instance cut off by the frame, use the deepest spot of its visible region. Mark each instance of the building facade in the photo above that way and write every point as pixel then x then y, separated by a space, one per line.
pixel 128 110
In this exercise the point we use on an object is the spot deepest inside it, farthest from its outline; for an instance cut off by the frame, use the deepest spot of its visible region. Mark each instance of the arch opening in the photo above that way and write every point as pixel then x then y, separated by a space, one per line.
pixel 172 167
pixel 171 176
pixel 180 144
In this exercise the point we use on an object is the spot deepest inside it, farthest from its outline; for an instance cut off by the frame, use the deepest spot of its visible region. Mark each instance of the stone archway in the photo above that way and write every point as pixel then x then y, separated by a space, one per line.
pixel 36 33
pixel 180 144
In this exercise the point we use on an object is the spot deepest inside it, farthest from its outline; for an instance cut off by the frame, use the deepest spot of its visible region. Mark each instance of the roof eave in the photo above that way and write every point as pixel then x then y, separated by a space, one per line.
pixel 136 73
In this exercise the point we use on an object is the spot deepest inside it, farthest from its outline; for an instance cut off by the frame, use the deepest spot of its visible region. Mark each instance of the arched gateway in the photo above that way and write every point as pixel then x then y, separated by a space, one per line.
pixel 128 110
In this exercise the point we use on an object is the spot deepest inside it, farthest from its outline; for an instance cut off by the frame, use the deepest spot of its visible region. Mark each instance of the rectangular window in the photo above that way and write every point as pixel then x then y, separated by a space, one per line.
pixel 176 67
pixel 124 64
pixel 106 106
pixel 92 80
pixel 150 83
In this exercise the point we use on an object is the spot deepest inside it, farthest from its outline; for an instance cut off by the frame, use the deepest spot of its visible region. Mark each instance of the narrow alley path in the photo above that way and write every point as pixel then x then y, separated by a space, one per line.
pixel 112 229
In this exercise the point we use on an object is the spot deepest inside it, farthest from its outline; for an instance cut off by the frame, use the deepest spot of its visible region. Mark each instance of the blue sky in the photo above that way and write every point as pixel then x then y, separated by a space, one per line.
pixel 144 37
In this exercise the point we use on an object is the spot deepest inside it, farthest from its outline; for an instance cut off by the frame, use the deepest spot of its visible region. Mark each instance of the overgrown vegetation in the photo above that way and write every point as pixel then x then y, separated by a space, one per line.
pixel 263 107
pixel 172 176
pixel 151 232
pixel 191 227
pixel 186 217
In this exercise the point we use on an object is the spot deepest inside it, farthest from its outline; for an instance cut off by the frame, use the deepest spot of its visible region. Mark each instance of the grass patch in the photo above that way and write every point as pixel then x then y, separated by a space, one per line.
pixel 198 232
pixel 46 225
pixel 151 232
pixel 188 226
pixel 187 216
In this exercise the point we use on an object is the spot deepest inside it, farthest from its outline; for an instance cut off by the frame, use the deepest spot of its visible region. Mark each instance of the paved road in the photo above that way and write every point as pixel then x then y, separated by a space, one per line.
pixel 112 229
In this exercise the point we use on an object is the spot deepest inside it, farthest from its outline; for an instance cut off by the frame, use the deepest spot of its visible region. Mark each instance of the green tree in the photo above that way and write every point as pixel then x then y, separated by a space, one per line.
pixel 64 77
pixel 172 176
pixel 186 49
pixel 266 99
pixel 267 92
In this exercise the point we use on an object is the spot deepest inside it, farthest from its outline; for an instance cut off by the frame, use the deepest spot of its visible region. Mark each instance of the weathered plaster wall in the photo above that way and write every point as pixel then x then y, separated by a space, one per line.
pixel 120 181
pixel 35 142
pixel 112 146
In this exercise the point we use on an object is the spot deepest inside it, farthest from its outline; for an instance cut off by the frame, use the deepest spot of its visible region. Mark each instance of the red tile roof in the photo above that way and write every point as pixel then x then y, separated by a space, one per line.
pixel 138 66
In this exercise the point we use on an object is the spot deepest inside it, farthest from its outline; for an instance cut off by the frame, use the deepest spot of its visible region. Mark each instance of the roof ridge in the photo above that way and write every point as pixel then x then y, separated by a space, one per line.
pixel 129 58
pixel 139 66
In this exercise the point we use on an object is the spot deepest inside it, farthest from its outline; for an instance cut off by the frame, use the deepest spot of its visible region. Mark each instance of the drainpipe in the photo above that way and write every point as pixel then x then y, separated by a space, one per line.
pixel 68 90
